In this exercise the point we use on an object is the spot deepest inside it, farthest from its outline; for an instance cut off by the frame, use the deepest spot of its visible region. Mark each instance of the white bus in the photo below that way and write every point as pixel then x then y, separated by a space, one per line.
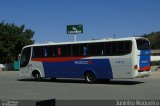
pixel 123 58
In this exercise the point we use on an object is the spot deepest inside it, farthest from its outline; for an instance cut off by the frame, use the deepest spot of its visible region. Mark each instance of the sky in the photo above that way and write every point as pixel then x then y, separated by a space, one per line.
pixel 100 18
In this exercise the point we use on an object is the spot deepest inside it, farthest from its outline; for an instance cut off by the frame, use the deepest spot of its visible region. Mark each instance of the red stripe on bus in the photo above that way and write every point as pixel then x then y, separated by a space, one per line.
pixel 57 59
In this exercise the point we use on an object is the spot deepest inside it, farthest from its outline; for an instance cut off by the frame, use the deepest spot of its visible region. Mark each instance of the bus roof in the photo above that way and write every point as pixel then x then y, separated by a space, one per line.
pixel 89 41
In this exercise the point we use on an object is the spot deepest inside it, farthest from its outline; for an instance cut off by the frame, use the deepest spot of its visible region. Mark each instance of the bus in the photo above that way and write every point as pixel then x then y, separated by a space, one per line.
pixel 122 58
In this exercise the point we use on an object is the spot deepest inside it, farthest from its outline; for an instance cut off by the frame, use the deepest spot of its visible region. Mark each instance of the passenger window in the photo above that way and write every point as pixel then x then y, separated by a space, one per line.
pixel 75 50
pixel 38 52
pixel 121 47
pixel 64 50
pixel 96 49
pixel 49 51
pixel 59 51
pixel 83 50
pixel 108 50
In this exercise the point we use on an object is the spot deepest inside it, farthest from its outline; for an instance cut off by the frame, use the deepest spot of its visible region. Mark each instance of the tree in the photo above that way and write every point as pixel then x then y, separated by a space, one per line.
pixel 154 38
pixel 12 39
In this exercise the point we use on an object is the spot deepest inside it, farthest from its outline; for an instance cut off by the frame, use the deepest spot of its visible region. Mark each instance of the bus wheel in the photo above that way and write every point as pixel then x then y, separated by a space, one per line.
pixel 90 77
pixel 37 76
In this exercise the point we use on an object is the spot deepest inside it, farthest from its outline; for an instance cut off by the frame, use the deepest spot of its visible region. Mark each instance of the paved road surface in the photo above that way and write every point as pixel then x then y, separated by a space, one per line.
pixel 12 87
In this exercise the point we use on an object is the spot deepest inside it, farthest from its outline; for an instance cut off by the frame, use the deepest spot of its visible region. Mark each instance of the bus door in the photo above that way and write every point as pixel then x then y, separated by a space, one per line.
pixel 24 61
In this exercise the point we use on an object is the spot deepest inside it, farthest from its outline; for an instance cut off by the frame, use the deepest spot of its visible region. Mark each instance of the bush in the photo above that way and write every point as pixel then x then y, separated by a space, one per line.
pixel 155 63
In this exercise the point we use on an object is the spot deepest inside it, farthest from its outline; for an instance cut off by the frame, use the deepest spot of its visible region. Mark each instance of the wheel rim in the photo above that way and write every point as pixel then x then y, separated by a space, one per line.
pixel 90 78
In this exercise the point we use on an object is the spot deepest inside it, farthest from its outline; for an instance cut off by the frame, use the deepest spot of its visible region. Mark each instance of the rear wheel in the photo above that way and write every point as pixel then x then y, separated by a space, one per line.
pixel 90 77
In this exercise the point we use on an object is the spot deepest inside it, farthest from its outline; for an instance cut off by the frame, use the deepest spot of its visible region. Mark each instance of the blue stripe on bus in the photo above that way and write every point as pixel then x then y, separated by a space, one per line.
pixel 76 68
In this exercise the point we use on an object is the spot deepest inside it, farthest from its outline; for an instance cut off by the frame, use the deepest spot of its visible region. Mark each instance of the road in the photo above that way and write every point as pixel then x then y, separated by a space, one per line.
pixel 14 88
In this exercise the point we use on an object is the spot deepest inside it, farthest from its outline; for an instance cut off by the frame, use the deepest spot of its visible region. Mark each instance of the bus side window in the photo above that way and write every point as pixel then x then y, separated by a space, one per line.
pixel 96 49
pixel 128 46
pixel 59 51
pixel 108 50
pixel 48 51
pixel 92 49
pixel 65 50
pixel 38 52
pixel 75 50
pixel 124 47
pixel 45 52
pixel 99 49
pixel 84 50
pixel 54 51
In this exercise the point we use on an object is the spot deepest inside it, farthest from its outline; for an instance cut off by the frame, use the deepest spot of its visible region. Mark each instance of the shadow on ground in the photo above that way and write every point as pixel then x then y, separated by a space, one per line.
pixel 112 82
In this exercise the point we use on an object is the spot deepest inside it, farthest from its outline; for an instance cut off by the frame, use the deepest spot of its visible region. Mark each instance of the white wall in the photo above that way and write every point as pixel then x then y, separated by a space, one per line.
pixel 155 58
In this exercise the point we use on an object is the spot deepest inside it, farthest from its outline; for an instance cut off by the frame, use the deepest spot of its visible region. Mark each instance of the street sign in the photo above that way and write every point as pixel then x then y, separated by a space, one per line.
pixel 74 29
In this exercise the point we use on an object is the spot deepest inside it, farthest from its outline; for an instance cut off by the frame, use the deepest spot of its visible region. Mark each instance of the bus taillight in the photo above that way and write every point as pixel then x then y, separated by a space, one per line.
pixel 136 67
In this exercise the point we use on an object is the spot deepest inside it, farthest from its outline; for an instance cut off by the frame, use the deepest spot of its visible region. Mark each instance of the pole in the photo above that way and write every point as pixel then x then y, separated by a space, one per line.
pixel 75 37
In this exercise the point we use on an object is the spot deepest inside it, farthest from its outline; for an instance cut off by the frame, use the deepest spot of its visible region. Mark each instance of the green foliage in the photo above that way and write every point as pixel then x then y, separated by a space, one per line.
pixel 155 63
pixel 154 39
pixel 12 39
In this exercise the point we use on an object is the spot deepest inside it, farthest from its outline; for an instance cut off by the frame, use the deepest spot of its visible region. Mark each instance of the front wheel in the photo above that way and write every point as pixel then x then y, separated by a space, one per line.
pixel 90 77
pixel 37 76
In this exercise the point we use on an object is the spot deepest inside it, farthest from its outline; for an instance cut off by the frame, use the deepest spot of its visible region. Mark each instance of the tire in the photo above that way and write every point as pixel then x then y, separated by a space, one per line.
pixel 90 77
pixel 37 76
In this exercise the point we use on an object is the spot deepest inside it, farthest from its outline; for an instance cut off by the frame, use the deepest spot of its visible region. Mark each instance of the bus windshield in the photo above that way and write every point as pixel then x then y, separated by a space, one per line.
pixel 142 44
pixel 25 56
